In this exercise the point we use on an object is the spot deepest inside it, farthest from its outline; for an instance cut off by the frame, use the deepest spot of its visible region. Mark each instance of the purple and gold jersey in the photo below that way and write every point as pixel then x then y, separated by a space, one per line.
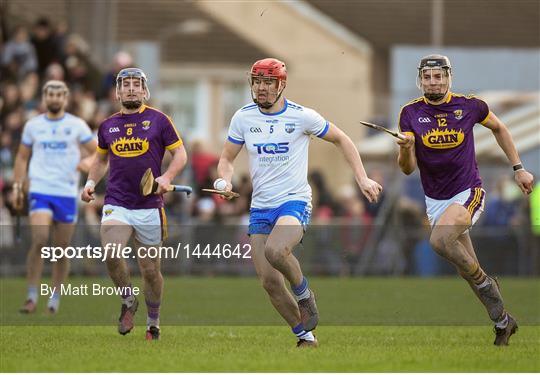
pixel 444 142
pixel 134 143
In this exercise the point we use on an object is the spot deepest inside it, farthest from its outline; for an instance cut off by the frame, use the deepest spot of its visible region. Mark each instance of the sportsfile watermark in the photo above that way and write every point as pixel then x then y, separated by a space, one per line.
pixel 117 251
pixel 209 279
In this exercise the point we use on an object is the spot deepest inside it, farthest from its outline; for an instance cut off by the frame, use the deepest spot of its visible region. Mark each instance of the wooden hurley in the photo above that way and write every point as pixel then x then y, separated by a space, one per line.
pixel 149 186
pixel 226 194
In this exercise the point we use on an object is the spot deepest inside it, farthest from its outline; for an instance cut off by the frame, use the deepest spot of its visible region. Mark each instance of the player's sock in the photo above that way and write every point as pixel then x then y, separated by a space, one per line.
pixel 503 322
pixel 127 296
pixel 32 293
pixel 478 276
pixel 301 333
pixel 54 301
pixel 153 314
pixel 301 291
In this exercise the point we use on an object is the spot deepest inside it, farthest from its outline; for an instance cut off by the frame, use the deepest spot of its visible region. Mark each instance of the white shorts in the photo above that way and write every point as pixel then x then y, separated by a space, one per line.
pixel 150 224
pixel 472 199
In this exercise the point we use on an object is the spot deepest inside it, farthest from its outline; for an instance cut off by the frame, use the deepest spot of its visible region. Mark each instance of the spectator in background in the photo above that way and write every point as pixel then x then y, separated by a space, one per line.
pixel 355 230
pixel 6 155
pixel 6 239
pixel 19 56
pixel 506 227
pixel 11 101
pixel 54 71
pixel 80 70
pixel 14 123
pixel 412 217
pixel 45 44
pixel 61 34
pixel 84 104
pixel 106 106
pixel 121 60
pixel 11 122
pixel 28 90
pixel 202 161
pixel 503 204
pixel 321 194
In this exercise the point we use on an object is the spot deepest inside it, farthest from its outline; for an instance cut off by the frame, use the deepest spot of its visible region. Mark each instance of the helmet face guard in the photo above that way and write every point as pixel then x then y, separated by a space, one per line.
pixel 269 72
pixel 434 71
pixel 132 74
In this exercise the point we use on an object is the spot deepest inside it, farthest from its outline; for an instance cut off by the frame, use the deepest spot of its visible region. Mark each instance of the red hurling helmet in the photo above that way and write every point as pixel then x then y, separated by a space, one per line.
pixel 269 68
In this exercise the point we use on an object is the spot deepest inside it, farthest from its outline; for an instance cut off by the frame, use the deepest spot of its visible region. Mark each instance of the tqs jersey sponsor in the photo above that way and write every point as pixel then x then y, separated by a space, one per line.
pixel 272 148
pixel 54 145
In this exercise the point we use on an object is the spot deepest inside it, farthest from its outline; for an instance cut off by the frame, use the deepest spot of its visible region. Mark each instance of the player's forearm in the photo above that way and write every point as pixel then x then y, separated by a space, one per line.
pixel 97 169
pixel 225 169
pixel 347 147
pixel 19 169
pixel 177 163
pixel 505 141
pixel 406 160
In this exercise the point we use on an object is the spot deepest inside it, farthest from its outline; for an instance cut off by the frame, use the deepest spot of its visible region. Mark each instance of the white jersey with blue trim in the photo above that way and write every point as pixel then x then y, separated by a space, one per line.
pixel 277 145
pixel 55 153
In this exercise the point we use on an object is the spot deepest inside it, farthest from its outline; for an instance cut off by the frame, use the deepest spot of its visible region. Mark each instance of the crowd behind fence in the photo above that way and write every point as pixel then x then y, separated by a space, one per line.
pixel 349 235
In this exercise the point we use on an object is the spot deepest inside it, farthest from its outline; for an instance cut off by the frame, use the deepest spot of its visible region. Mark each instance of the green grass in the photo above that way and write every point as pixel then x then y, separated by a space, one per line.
pixel 226 324
pixel 240 349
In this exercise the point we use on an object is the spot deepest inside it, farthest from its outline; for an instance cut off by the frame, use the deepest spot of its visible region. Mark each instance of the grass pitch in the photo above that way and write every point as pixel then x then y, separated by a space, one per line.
pixel 223 324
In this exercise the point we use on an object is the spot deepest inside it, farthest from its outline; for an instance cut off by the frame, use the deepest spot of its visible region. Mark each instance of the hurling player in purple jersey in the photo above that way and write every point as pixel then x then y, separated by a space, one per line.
pixel 439 130
pixel 131 141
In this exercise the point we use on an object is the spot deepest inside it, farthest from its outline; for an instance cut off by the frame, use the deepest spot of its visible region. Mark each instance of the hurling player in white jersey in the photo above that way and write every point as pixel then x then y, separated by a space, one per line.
pixel 276 133
pixel 51 143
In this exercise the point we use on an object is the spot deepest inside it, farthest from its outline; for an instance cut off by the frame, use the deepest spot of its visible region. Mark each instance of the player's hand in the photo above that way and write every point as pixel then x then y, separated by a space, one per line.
pixel 87 194
pixel 524 180
pixel 17 197
pixel 407 143
pixel 163 183
pixel 371 189
pixel 229 189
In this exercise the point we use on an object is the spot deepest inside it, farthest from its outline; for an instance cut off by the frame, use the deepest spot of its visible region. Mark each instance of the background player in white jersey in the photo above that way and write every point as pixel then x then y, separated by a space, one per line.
pixel 51 142
pixel 276 133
